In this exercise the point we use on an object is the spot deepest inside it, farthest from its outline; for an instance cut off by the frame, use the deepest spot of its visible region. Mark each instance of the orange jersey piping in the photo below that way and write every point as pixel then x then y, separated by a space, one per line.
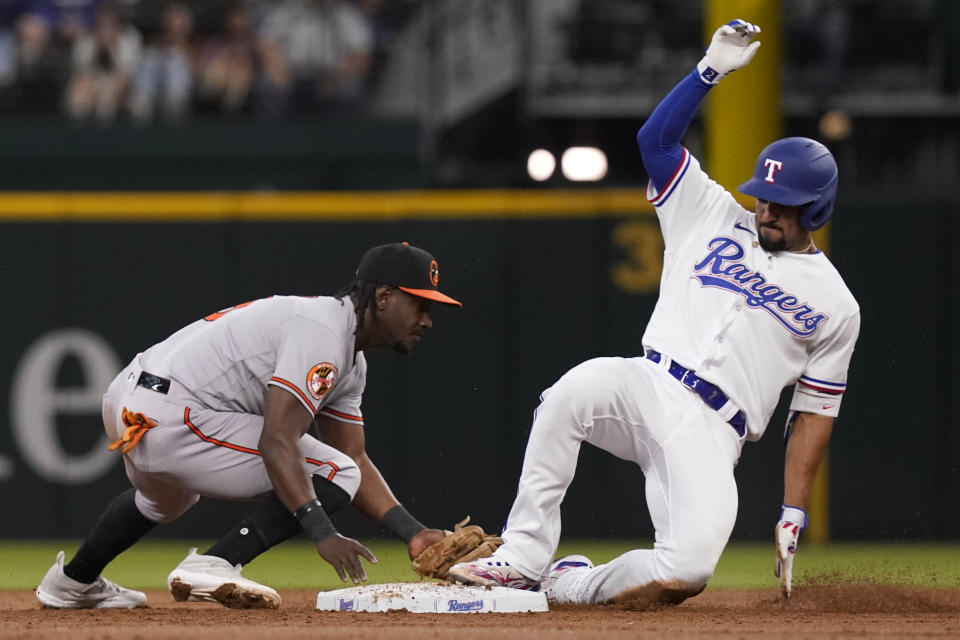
pixel 236 447
pixel 340 414
pixel 294 388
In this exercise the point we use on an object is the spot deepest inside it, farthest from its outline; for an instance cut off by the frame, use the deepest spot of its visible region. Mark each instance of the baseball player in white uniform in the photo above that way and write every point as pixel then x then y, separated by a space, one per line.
pixel 259 401
pixel 748 305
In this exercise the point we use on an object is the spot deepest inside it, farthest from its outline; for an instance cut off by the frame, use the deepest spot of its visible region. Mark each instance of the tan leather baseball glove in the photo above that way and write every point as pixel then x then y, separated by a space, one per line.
pixel 463 544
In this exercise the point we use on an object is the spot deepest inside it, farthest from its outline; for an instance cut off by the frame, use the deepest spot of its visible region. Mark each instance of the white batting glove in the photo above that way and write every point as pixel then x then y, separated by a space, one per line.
pixel 787 533
pixel 729 50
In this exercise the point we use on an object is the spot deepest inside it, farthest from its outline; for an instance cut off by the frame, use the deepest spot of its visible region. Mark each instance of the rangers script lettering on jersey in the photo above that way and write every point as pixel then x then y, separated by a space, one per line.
pixel 723 268
pixel 722 296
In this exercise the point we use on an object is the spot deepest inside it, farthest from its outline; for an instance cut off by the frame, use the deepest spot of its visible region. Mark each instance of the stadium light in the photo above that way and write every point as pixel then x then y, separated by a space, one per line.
pixel 583 164
pixel 541 164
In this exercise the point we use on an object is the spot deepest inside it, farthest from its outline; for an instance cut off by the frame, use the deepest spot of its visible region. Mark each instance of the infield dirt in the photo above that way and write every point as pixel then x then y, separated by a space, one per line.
pixel 817 611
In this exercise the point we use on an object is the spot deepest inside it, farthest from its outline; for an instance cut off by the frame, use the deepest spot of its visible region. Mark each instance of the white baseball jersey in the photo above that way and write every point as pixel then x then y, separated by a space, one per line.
pixel 749 321
pixel 227 360
pixel 746 320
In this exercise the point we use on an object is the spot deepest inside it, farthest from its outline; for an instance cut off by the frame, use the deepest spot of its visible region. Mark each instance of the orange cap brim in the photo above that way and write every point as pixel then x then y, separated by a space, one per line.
pixel 431 294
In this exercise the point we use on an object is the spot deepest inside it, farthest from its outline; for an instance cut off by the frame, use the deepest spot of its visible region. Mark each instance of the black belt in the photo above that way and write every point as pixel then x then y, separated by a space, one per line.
pixel 711 394
pixel 152 382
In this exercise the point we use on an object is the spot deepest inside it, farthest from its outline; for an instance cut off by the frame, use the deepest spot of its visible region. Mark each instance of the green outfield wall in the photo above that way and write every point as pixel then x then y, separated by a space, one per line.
pixel 548 279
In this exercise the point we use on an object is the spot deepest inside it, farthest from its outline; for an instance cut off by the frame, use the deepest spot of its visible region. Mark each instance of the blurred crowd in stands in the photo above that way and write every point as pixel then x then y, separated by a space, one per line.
pixel 101 61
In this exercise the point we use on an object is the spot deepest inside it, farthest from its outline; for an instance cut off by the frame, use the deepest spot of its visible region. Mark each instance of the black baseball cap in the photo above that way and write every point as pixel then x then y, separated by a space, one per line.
pixel 407 268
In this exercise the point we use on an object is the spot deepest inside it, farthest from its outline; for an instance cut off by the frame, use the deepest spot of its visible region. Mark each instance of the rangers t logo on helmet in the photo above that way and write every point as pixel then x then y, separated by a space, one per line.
pixel 773 166
pixel 804 174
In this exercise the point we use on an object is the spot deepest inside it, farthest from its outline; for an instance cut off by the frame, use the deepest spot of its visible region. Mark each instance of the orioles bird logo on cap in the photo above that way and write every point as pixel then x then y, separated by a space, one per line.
pixel 434 273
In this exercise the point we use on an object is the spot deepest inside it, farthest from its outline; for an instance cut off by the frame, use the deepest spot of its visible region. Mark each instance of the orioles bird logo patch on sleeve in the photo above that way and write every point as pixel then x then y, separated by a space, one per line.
pixel 321 379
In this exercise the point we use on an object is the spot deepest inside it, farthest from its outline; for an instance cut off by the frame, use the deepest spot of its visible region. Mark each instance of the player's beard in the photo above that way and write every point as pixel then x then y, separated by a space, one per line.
pixel 771 246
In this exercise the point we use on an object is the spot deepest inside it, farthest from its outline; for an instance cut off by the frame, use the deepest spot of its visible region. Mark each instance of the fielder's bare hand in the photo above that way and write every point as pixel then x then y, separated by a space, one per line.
pixel 787 534
pixel 344 554
pixel 424 539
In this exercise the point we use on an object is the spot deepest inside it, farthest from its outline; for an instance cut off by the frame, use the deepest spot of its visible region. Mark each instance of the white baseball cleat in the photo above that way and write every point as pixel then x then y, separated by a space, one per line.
pixel 567 567
pixel 58 591
pixel 213 579
pixel 490 572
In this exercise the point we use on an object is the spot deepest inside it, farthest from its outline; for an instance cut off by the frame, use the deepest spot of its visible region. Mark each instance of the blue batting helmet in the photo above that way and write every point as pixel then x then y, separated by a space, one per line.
pixel 796 171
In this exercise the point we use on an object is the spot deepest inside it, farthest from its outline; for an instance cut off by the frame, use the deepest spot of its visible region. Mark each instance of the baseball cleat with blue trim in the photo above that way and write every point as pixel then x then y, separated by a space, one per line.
pixel 566 565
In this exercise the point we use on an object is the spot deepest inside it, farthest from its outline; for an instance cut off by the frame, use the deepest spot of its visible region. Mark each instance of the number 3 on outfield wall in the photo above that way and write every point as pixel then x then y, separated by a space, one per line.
pixel 639 271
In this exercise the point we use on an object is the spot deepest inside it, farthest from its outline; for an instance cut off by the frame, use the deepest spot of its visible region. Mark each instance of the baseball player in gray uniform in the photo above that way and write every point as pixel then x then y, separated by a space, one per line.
pixel 748 305
pixel 261 400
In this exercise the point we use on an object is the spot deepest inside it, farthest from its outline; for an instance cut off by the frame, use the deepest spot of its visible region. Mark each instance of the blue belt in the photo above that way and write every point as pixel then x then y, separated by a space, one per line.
pixel 711 394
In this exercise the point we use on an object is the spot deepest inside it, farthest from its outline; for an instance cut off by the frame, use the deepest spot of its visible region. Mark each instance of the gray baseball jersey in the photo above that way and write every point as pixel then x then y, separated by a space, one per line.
pixel 209 421
pixel 228 359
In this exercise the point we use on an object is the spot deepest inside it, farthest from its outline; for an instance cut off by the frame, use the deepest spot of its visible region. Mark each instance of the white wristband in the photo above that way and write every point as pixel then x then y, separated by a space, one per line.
pixel 707 73
pixel 793 514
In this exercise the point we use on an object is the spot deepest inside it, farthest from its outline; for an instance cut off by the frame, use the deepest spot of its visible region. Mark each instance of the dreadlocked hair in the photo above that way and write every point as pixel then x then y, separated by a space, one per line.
pixel 363 293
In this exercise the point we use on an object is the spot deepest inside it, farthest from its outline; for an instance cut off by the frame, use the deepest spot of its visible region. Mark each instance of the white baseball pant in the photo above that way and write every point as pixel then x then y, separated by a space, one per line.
pixel 634 409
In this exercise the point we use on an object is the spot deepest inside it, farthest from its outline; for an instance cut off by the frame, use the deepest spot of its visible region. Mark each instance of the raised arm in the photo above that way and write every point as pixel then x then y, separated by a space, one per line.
pixel 659 138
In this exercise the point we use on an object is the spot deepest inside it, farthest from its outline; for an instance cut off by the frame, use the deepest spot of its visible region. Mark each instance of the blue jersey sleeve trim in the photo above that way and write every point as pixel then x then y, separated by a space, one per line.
pixel 837 384
pixel 659 137
pixel 824 386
